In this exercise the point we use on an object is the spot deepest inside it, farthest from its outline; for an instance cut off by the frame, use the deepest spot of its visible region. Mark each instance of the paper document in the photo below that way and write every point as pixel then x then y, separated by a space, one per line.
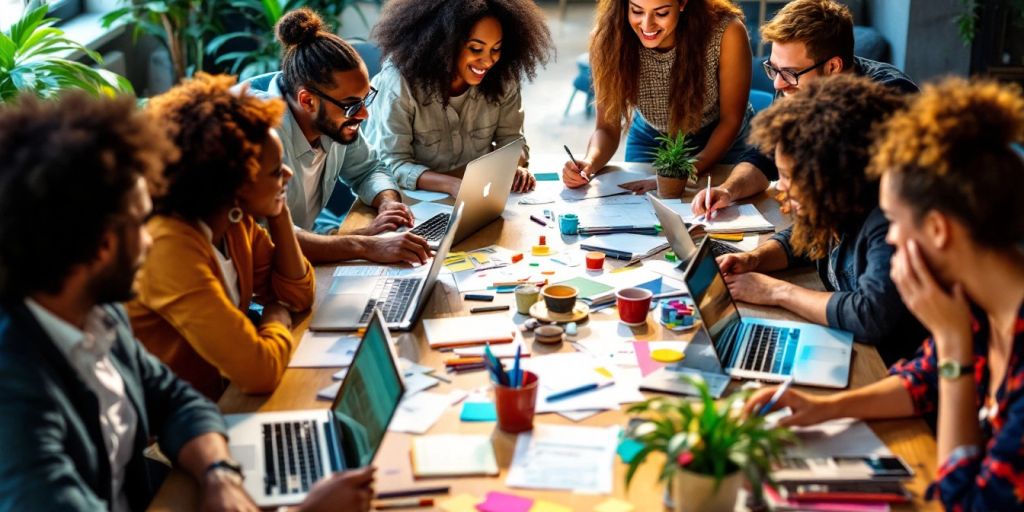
pixel 324 350
pixel 845 437
pixel 731 219
pixel 568 370
pixel 671 380
pixel 417 413
pixel 630 244
pixel 425 195
pixel 458 331
pixel 564 457
pixel 598 214
pixel 605 184
pixel 374 270
pixel 453 455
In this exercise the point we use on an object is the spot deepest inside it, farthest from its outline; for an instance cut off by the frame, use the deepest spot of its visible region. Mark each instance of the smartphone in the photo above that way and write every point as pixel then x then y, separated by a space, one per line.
pixel 889 466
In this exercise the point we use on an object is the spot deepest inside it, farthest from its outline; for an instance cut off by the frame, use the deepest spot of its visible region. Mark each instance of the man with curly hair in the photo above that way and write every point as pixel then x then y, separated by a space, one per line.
pixel 327 90
pixel 822 142
pixel 811 39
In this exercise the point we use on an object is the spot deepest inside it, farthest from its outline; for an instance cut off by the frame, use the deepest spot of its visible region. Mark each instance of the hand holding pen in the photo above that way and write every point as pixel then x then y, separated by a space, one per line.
pixel 575 173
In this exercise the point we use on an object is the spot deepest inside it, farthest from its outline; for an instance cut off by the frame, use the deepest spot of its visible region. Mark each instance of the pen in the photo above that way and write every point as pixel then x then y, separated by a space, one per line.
pixel 488 309
pixel 410 503
pixel 775 397
pixel 515 368
pixel 539 220
pixel 619 255
pixel 573 160
pixel 562 395
pixel 404 493
pixel 479 297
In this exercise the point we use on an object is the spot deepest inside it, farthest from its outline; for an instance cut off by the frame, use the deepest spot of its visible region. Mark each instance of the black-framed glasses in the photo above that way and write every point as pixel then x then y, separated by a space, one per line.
pixel 350 109
pixel 790 77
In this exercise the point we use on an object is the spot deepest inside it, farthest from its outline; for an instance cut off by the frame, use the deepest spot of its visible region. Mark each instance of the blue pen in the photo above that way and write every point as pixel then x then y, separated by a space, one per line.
pixel 516 376
pixel 499 371
pixel 569 393
pixel 775 397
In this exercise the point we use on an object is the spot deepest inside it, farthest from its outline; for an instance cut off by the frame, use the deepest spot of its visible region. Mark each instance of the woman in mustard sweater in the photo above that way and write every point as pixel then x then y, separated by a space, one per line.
pixel 209 257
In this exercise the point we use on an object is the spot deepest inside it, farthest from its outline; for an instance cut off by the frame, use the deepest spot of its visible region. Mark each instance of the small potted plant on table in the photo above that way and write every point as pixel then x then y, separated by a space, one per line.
pixel 676 164
pixel 709 446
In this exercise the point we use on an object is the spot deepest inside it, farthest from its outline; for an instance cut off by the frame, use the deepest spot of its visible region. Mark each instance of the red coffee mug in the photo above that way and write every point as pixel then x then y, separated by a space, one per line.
pixel 633 305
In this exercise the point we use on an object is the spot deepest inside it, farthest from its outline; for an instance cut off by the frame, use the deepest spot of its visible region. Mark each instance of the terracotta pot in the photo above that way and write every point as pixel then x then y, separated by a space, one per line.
pixel 670 188
pixel 694 492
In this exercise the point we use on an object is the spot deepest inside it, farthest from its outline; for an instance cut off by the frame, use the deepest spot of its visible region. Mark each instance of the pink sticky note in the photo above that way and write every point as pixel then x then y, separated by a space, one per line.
pixel 501 502
pixel 643 358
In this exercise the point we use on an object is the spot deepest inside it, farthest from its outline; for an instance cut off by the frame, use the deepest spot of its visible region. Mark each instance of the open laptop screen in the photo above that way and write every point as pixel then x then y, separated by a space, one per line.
pixel 368 397
pixel 717 309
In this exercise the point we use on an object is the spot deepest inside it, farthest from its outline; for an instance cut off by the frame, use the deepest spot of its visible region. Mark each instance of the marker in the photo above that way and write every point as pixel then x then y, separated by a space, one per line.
pixel 707 202
pixel 516 376
pixel 573 160
pixel 420 491
pixel 410 503
pixel 775 397
pixel 488 309
pixel 539 220
pixel 481 297
pixel 569 393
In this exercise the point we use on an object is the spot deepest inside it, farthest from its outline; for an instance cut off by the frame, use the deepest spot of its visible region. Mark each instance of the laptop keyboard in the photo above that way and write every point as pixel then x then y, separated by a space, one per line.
pixel 433 228
pixel 720 249
pixel 770 349
pixel 291 456
pixel 393 296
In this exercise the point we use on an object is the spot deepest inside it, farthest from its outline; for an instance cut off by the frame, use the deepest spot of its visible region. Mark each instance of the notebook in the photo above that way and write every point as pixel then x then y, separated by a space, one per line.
pixel 453 455
pixel 461 331
pixel 731 219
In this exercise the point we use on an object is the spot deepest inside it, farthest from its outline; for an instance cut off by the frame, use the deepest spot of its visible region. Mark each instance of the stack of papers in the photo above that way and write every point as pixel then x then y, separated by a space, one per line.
pixel 624 245
pixel 460 331
pixel 564 457
pixel 453 455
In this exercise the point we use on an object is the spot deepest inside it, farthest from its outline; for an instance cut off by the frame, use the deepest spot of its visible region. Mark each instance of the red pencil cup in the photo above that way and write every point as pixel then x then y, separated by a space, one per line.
pixel 515 406
pixel 633 305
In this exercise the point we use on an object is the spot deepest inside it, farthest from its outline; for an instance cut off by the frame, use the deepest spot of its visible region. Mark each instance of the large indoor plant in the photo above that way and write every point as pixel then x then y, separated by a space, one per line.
pixel 675 161
pixel 33 58
pixel 708 446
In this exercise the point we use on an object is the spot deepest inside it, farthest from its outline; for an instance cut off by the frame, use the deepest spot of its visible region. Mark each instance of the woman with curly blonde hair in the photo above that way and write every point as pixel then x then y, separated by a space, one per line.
pixel 663 67
pixel 822 142
pixel 210 258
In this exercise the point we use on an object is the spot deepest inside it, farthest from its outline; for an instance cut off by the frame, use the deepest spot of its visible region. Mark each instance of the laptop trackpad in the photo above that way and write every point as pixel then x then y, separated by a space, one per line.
pixel 822 354
pixel 353 285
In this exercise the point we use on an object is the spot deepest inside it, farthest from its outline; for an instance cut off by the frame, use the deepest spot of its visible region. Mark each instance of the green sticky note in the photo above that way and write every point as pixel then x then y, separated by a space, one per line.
pixel 628 449
pixel 546 176
pixel 478 411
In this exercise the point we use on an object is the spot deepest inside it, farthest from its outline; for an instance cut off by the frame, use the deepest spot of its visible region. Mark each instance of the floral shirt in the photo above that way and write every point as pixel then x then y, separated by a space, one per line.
pixel 990 476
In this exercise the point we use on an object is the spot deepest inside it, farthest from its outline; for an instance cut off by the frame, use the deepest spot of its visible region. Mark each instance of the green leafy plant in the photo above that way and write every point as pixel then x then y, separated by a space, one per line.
pixel 706 437
pixel 967 21
pixel 675 157
pixel 262 16
pixel 183 26
pixel 33 58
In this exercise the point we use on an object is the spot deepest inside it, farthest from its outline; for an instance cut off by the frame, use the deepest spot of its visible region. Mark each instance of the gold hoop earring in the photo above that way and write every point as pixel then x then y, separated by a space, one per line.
pixel 235 215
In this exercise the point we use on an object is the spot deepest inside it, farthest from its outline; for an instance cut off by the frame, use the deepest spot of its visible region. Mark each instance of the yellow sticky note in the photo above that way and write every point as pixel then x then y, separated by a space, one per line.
pixel 614 505
pixel 480 258
pixel 731 237
pixel 547 506
pixel 625 269
pixel 459 266
pixel 460 503
pixel 604 371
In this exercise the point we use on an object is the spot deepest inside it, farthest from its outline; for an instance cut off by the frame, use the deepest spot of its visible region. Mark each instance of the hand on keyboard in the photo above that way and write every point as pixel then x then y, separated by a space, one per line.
pixel 346 490
pixel 387 220
pixel 737 263
pixel 756 288
pixel 397 248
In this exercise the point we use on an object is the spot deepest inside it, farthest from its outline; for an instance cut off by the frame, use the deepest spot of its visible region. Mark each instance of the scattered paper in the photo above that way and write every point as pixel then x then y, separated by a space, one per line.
pixel 324 350
pixel 626 243
pixel 837 438
pixel 374 271
pixel 425 195
pixel 731 219
pixel 644 349
pixel 599 213
pixel 605 184
pixel 469 330
pixel 565 457
pixel 417 413
pixel 568 370
pixel 453 455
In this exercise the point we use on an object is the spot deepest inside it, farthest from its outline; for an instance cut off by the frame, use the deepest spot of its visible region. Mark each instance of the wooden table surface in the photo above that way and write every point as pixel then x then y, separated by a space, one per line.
pixel 909 438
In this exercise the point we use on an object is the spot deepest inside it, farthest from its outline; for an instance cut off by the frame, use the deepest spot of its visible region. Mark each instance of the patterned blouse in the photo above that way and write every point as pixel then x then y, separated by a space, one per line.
pixel 655 71
pixel 976 478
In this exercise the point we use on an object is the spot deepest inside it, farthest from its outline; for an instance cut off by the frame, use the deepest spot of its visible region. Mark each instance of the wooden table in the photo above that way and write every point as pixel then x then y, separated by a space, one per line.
pixel 911 439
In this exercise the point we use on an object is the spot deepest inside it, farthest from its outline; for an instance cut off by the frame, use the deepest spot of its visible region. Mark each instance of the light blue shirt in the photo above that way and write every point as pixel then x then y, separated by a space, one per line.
pixel 413 136
pixel 356 164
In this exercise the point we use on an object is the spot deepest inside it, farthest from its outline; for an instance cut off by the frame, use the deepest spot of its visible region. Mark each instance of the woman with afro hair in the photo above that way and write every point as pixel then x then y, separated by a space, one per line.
pixel 450 86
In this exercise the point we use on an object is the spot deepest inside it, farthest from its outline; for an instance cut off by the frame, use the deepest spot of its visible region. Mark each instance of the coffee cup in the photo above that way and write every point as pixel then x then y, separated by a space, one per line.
pixel 559 298
pixel 526 296
pixel 633 305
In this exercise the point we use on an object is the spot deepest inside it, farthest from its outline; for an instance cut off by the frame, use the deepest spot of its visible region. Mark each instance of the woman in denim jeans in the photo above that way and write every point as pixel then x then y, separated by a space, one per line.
pixel 449 90
pixel 667 67
pixel 822 141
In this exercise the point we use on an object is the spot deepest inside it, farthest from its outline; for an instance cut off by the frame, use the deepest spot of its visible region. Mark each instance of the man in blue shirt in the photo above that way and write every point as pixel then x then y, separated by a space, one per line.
pixel 810 39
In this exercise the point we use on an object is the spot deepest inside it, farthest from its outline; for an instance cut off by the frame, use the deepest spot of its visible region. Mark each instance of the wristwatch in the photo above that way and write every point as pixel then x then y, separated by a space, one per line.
pixel 951 370
pixel 228 468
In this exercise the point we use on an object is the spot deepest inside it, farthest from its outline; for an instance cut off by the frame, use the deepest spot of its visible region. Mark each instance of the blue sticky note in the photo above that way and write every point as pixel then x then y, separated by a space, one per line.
pixel 546 176
pixel 478 411
pixel 628 449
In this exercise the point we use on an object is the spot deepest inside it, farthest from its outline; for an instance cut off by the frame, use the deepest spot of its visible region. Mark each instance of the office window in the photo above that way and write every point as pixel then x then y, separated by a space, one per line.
pixel 11 10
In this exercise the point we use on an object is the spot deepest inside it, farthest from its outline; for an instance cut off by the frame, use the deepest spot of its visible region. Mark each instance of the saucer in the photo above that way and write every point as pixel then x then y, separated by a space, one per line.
pixel 634 324
pixel 540 312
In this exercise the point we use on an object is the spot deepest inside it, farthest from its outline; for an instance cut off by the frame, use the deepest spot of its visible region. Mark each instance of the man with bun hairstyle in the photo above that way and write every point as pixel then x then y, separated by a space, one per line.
pixel 811 39
pixel 327 89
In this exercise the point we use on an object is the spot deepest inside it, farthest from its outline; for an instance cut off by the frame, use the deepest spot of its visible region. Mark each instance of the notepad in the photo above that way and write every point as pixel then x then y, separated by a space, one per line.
pixel 461 331
pixel 731 219
pixel 453 455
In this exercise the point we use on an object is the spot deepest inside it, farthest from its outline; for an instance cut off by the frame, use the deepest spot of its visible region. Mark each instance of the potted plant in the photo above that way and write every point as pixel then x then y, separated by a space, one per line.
pixel 708 446
pixel 33 58
pixel 676 163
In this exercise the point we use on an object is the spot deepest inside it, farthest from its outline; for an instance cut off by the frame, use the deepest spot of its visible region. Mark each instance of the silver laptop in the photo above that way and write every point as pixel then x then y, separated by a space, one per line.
pixel 756 348
pixel 351 299
pixel 485 188
pixel 284 453
pixel 679 235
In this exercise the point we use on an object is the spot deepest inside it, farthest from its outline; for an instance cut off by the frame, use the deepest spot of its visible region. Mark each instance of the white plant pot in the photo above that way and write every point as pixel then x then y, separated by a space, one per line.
pixel 694 492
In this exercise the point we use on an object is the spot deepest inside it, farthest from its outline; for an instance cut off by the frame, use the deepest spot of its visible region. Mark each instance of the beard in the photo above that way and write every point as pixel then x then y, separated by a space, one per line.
pixel 333 131
pixel 115 283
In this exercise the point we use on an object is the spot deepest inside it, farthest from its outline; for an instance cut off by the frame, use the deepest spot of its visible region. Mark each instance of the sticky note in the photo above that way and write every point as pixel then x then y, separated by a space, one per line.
pixel 667 355
pixel 460 265
pixel 604 371
pixel 548 506
pixel 628 449
pixel 480 258
pixel 460 503
pixel 614 505
pixel 478 411
pixel 546 176
pixel 501 502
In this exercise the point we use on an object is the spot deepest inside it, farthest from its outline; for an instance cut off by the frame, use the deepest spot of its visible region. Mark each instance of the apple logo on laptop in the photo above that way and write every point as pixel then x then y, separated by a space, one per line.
pixel 487 189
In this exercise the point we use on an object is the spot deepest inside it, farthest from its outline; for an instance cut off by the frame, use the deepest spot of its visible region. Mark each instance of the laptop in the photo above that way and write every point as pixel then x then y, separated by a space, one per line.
pixel 351 299
pixel 769 350
pixel 284 453
pixel 485 188
pixel 679 235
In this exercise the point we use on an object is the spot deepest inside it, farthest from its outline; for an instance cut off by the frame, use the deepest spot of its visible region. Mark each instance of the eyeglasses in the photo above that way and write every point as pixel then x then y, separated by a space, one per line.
pixel 350 109
pixel 790 77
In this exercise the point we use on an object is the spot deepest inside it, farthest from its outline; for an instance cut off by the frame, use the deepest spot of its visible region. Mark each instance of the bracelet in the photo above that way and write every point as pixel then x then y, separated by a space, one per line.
pixel 226 464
